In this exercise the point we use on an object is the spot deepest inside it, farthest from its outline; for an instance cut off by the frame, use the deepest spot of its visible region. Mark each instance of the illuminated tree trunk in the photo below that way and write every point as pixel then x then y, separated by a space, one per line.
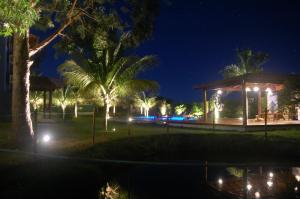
pixel 21 119
pixel 146 112
pixel 63 112
pixel 76 110
pixel 114 110
pixel 141 109
pixel 106 115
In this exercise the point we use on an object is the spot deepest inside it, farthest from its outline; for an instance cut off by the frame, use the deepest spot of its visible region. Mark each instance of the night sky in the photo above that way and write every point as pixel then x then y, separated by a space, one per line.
pixel 195 39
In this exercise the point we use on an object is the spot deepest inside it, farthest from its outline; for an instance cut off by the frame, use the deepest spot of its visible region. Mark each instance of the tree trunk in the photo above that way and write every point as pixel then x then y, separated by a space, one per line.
pixel 106 115
pixel 76 110
pixel 63 113
pixel 21 118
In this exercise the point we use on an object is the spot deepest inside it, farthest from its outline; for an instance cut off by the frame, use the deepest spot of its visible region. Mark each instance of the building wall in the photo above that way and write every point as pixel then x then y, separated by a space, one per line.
pixel 5 75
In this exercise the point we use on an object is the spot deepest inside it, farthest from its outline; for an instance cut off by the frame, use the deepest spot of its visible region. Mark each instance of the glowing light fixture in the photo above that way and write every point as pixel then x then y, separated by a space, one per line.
pixel 256 89
pixel 114 129
pixel 248 89
pixel 269 91
pixel 296 189
pixel 297 178
pixel 46 138
pixel 270 183
pixel 271 174
pixel 219 92
pixel 130 119
pixel 249 187
pixel 257 194
pixel 220 181
pixel 240 118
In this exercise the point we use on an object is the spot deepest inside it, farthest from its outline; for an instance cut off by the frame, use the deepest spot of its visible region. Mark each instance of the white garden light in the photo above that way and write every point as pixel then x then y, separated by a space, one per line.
pixel 220 181
pixel 219 92
pixel 46 138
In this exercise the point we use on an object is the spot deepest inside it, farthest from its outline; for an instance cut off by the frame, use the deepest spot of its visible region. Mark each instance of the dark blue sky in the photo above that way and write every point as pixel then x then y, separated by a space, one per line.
pixel 195 39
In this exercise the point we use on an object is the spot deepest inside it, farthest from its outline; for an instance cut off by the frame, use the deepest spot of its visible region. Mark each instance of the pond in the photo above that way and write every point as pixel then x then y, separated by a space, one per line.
pixel 80 178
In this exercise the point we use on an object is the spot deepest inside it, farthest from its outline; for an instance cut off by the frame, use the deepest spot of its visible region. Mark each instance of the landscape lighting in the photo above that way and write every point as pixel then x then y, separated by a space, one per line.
pixel 220 181
pixel 130 119
pixel 249 187
pixel 297 178
pixel 270 183
pixel 271 174
pixel 255 89
pixel 219 92
pixel 46 138
pixel 257 194
pixel 248 89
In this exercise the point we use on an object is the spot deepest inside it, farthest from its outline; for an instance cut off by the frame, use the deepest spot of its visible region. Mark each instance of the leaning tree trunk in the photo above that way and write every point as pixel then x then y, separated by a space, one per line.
pixel 21 118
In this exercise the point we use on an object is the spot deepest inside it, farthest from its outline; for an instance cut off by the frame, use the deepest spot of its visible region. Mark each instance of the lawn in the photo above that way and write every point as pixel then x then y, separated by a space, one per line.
pixel 149 141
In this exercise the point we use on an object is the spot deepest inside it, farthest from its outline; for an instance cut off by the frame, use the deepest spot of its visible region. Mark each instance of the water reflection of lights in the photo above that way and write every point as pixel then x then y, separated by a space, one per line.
pixel 257 194
pixel 270 183
pixel 249 187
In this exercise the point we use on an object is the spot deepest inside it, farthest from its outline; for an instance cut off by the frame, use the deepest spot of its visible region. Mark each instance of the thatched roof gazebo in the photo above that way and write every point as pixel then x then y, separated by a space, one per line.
pixel 258 82
pixel 46 85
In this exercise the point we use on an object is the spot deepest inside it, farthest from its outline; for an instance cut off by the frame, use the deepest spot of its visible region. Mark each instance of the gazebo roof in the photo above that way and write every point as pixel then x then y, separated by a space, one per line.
pixel 265 80
pixel 42 83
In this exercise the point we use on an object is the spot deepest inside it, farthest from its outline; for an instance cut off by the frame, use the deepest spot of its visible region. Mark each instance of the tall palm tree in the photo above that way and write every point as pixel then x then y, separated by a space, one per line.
pixel 248 61
pixel 145 103
pixel 63 97
pixel 109 75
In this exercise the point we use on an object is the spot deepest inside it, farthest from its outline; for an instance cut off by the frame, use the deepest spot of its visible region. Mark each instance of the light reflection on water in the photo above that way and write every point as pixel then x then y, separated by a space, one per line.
pixel 212 182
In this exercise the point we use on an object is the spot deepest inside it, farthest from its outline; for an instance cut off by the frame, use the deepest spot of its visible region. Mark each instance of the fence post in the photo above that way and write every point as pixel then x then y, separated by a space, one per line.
pixel 94 124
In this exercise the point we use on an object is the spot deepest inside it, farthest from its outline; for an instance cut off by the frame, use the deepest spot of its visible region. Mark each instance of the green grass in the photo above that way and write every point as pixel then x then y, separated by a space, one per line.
pixel 74 137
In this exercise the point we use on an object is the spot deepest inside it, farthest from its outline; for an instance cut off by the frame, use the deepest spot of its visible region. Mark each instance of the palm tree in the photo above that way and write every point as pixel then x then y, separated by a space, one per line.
pixel 108 75
pixel 145 103
pixel 63 97
pixel 179 110
pixel 248 61
pixel 36 99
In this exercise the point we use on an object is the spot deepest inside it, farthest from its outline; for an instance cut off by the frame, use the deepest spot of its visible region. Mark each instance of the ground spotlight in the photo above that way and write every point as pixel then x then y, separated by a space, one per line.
pixel 46 138
pixel 220 181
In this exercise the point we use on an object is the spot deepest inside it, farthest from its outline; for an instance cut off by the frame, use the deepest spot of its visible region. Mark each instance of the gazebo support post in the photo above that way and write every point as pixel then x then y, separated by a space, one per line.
pixel 259 103
pixel 205 104
pixel 244 103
